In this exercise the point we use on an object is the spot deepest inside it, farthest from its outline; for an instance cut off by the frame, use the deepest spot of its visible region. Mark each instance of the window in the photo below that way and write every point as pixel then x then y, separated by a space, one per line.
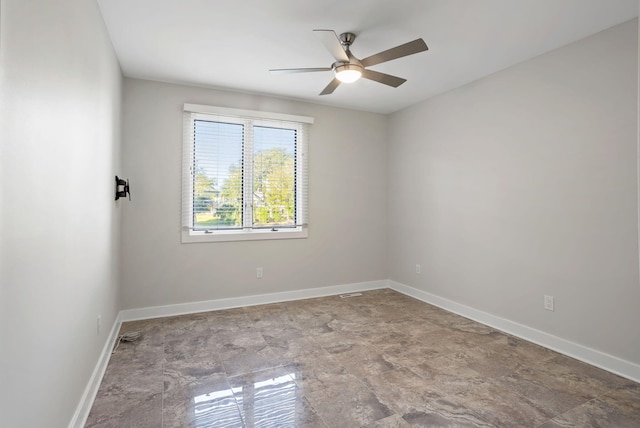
pixel 244 175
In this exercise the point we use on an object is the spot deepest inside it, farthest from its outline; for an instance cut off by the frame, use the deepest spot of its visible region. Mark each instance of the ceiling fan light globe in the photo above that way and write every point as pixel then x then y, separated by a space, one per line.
pixel 348 76
pixel 348 73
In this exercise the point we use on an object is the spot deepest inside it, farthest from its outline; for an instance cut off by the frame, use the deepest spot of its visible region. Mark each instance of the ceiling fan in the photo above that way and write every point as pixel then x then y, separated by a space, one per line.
pixel 347 68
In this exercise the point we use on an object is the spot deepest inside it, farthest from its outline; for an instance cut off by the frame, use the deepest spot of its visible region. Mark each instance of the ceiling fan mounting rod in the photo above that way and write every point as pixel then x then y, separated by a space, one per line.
pixel 346 39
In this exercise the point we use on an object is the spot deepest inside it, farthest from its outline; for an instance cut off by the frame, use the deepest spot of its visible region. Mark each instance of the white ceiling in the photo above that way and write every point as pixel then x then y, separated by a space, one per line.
pixel 233 44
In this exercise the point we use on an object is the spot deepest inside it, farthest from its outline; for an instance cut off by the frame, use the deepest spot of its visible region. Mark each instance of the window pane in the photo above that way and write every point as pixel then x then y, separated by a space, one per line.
pixel 274 170
pixel 217 175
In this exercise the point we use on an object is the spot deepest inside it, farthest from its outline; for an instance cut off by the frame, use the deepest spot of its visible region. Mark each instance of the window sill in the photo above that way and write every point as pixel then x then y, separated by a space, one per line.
pixel 192 237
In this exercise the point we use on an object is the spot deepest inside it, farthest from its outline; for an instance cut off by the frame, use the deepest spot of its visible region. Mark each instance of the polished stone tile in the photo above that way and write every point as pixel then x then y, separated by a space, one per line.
pixel 500 405
pixel 228 320
pixel 347 404
pixel 455 365
pixel 120 379
pixel 444 413
pixel 192 370
pixel 313 322
pixel 235 343
pixel 627 397
pixel 126 410
pixel 379 360
pixel 252 358
pixel 566 374
pixel 416 328
pixel 283 334
pixel 595 413
pixel 187 322
pixel 273 316
pixel 448 374
pixel 401 390
pixel 549 401
pixel 147 348
pixel 362 361
pixel 204 403
pixel 335 339
pixel 135 368
pixel 517 349
pixel 245 351
pixel 393 421
pixel 389 337
pixel 410 353
pixel 288 351
pixel 487 362
pixel 189 346
pixel 313 372
pixel 271 398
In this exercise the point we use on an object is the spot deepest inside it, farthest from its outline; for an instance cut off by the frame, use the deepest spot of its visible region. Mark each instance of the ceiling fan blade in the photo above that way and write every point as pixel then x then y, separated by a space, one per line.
pixel 410 48
pixel 387 79
pixel 330 87
pixel 299 70
pixel 330 40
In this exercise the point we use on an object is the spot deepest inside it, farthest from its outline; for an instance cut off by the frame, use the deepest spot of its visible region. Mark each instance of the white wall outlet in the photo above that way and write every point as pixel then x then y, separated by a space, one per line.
pixel 418 269
pixel 258 273
pixel 99 324
pixel 548 302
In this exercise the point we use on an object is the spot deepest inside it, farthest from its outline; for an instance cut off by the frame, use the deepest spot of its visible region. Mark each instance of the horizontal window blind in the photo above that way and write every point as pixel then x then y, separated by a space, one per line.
pixel 244 173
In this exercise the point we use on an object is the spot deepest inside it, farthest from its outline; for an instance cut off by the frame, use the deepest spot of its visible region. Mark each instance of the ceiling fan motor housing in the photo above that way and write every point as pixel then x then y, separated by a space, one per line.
pixel 348 71
pixel 343 66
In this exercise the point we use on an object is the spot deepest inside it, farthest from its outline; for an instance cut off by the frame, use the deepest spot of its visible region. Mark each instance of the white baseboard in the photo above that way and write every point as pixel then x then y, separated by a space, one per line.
pixel 84 407
pixel 596 358
pixel 237 302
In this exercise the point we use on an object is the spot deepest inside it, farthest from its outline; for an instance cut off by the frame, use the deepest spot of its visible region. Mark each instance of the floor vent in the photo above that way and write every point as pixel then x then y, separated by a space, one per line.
pixel 344 296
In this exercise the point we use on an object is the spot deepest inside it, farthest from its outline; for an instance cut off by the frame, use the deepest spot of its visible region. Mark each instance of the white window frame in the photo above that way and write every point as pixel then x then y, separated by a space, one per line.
pixel 256 118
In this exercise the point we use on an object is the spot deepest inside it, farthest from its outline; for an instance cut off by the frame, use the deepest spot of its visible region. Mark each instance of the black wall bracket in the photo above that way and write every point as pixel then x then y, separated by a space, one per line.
pixel 122 188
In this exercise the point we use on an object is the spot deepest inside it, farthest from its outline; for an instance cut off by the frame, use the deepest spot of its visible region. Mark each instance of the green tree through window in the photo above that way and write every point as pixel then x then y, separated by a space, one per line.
pixel 219 178
pixel 274 176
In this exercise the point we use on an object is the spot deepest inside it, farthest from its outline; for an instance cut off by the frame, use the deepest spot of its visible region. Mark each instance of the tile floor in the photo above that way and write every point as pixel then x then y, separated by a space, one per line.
pixel 379 360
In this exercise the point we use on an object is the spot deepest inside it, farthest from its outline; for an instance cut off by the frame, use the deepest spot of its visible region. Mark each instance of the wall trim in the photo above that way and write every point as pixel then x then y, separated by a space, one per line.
pixel 237 302
pixel 84 407
pixel 583 353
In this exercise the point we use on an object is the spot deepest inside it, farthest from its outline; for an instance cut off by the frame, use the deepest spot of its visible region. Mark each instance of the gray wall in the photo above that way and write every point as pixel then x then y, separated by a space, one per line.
pixel 60 113
pixel 347 237
pixel 523 184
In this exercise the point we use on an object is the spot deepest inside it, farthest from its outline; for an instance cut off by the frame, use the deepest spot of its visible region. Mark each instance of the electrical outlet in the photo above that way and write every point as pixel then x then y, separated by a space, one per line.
pixel 418 269
pixel 99 324
pixel 548 303
pixel 259 273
